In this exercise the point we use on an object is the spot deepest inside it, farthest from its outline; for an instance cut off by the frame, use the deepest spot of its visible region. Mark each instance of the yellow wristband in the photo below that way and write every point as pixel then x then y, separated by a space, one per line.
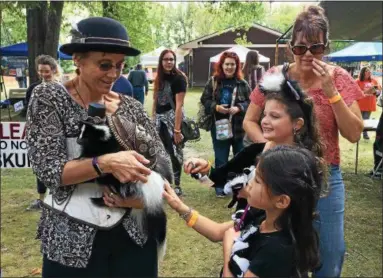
pixel 193 219
pixel 335 99
pixel 177 131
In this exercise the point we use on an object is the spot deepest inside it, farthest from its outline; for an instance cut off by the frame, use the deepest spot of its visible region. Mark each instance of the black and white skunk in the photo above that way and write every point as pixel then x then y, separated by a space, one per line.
pixel 235 174
pixel 97 138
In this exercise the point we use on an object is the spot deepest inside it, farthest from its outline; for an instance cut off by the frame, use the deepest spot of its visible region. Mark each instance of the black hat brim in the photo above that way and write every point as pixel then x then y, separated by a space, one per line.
pixel 71 48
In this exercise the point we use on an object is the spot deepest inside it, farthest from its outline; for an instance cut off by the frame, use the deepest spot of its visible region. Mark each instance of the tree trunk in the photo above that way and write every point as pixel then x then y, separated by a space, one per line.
pixel 43 30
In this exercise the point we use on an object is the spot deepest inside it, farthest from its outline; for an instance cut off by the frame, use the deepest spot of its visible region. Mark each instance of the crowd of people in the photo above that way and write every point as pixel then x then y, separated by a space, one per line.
pixel 290 221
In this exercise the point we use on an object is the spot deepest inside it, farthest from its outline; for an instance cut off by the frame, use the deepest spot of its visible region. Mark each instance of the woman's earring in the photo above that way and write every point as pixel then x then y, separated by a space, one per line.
pixel 294 131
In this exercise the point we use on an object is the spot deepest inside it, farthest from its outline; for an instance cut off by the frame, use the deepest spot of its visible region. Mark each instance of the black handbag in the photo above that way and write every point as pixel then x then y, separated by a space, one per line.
pixel 206 121
pixel 189 128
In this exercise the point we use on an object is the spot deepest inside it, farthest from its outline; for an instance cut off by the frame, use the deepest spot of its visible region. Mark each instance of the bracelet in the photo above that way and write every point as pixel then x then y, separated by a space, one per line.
pixel 186 214
pixel 177 131
pixel 335 99
pixel 96 166
pixel 193 219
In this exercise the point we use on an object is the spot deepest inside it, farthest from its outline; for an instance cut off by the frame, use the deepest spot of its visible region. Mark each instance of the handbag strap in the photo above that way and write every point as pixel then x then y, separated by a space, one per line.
pixel 233 101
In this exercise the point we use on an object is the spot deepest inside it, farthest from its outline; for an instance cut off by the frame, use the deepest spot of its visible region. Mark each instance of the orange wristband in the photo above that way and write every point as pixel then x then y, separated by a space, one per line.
pixel 193 219
pixel 335 99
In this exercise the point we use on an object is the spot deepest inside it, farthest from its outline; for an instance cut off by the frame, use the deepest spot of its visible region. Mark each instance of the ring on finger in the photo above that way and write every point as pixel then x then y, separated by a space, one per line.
pixel 111 194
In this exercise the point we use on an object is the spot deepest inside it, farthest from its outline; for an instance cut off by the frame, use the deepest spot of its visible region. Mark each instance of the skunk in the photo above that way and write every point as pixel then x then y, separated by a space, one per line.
pixel 96 138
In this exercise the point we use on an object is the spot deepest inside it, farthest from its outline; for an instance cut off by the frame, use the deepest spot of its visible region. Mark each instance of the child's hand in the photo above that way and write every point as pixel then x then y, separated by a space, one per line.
pixel 173 200
pixel 196 165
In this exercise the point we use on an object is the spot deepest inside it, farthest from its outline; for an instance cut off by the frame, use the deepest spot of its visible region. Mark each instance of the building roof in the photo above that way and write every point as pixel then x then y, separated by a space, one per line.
pixel 194 43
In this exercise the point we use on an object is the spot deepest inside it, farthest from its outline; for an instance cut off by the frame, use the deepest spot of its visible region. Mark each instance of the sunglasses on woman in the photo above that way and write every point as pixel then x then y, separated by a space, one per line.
pixel 107 66
pixel 301 49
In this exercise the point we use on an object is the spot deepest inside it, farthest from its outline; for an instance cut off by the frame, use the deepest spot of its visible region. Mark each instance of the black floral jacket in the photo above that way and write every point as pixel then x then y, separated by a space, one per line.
pixel 53 116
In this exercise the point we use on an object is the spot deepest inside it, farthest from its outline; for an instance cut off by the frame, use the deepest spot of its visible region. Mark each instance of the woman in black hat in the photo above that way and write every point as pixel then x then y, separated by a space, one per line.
pixel 77 241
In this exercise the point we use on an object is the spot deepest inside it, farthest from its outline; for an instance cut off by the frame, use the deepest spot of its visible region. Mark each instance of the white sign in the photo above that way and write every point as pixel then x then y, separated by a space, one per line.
pixel 13 147
pixel 18 106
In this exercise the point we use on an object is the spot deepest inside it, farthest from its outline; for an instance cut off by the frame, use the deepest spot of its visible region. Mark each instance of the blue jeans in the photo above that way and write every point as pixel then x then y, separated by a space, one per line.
pixel 139 94
pixel 330 226
pixel 222 151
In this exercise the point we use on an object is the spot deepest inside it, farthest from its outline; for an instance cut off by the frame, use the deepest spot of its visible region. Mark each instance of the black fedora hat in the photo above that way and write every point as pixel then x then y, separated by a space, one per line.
pixel 99 34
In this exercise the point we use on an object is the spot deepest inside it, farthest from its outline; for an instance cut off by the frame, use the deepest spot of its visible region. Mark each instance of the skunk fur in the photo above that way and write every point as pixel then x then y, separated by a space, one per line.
pixel 96 140
pixel 231 175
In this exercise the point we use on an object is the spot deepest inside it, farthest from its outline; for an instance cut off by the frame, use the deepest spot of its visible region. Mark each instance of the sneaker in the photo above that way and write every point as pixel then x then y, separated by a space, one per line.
pixel 178 191
pixel 35 205
pixel 220 195
pixel 366 137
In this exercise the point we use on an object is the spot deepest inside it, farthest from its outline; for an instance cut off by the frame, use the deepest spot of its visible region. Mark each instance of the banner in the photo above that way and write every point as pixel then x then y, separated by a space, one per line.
pixel 13 147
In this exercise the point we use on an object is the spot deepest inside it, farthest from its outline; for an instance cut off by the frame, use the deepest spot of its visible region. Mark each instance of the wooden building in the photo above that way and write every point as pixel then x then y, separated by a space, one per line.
pixel 200 50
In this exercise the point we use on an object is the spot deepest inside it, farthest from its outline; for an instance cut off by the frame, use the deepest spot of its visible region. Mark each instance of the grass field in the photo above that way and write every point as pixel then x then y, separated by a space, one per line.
pixel 189 254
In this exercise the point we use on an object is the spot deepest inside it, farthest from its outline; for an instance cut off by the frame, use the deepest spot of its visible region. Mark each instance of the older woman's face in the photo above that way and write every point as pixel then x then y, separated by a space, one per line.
pixel 100 70
pixel 304 62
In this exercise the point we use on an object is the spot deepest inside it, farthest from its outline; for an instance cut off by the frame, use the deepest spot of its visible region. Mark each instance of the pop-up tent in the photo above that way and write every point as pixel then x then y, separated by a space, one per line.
pixel 21 50
pixel 241 51
pixel 361 51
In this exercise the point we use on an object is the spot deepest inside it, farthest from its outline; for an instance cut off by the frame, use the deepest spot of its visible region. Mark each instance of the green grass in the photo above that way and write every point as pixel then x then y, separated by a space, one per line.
pixel 188 253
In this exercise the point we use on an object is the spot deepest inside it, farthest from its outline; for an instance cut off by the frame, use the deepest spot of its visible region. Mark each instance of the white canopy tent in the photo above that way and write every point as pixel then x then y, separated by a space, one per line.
pixel 151 58
pixel 241 51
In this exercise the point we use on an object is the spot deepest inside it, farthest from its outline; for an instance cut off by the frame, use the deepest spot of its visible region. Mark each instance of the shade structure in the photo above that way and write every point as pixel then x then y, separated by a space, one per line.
pixel 21 50
pixel 361 51
pixel 241 51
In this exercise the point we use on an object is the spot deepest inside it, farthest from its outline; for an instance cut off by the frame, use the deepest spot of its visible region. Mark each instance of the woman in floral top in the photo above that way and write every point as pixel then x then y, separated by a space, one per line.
pixel 73 247
pixel 335 96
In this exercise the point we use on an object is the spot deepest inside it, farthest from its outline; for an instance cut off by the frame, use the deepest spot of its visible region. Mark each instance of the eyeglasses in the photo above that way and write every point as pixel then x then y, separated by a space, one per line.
pixel 301 49
pixel 107 66
pixel 168 59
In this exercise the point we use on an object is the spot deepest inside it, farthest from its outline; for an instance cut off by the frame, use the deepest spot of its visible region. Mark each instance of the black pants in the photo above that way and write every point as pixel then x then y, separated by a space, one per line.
pixel 168 144
pixel 41 188
pixel 114 254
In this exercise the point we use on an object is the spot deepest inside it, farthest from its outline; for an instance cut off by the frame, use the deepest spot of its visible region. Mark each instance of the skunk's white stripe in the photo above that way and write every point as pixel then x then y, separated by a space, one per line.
pixel 106 130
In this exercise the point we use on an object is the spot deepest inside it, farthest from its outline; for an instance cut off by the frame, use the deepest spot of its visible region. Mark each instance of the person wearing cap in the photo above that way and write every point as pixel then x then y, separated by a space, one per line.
pixel 78 239
pixel 140 83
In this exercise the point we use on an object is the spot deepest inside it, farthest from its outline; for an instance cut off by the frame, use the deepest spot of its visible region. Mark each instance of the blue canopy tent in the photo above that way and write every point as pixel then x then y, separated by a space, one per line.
pixel 21 50
pixel 358 52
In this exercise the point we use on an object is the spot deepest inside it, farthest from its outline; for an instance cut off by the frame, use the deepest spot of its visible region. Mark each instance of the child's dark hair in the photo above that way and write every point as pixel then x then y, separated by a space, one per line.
pixel 293 171
pixel 299 105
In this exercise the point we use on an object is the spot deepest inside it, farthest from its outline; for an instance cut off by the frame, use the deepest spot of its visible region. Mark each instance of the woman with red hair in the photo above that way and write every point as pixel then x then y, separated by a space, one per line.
pixel 226 96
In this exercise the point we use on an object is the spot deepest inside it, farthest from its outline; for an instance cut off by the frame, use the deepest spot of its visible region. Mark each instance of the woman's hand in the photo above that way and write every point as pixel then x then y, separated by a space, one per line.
pixel 234 110
pixel 114 200
pixel 222 109
pixel 178 137
pixel 321 69
pixel 196 165
pixel 173 200
pixel 125 166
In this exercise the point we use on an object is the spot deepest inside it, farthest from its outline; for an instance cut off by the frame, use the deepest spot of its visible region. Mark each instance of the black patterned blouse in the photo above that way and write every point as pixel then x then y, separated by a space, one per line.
pixel 53 117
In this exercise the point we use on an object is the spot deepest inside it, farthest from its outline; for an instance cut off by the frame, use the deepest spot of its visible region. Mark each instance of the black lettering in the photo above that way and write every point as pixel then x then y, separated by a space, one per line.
pixel 14 145
pixel 23 145
pixel 7 159
pixel 19 156
pixel 3 145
